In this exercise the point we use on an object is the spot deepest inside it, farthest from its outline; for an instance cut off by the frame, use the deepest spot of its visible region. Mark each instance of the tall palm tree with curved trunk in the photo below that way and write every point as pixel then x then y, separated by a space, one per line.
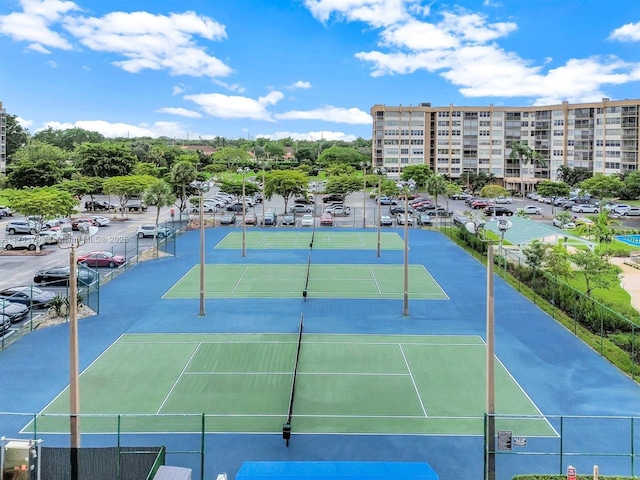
pixel 436 185
pixel 182 174
pixel 525 154
pixel 159 194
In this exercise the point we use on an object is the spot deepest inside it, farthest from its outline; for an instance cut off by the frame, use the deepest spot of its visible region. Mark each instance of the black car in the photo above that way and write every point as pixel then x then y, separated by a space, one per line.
pixel 498 211
pixel 269 218
pixel 5 323
pixel 28 295
pixel 305 200
pixel 60 276
pixel 332 197
pixel 234 207
pixel 400 209
pixel 289 219
pixel 15 311
pixel 99 206
pixel 228 218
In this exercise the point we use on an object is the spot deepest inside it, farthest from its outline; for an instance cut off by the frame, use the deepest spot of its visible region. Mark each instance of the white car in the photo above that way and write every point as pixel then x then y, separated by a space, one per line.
pixel 531 210
pixel 629 212
pixel 557 222
pixel 585 208
pixel 307 220
pixel 100 220
pixel 503 200
pixel 30 242
pixel 401 218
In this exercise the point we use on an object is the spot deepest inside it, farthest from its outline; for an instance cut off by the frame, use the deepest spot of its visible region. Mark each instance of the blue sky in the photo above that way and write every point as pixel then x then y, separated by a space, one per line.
pixel 307 69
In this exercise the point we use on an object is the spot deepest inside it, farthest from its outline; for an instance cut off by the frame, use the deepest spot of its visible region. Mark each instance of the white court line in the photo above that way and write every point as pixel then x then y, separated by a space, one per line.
pixel 179 280
pixel 178 379
pixel 375 280
pixel 233 290
pixel 413 380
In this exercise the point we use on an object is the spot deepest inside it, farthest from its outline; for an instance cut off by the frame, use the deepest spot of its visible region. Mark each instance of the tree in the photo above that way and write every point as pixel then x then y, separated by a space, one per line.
pixel 181 175
pixel 69 138
pixel 234 187
pixel 564 217
pixel 343 185
pixel 285 183
pixel 274 150
pixel 602 186
pixel 42 204
pixel 535 253
pixel 524 154
pixel 572 176
pixel 232 158
pixel 34 173
pixel 631 186
pixel 493 191
pixel 337 169
pixel 158 193
pixel 16 138
pixel 436 185
pixel 596 271
pixel 348 155
pixel 146 168
pixel 419 173
pixel 602 230
pixel 126 187
pixel 557 262
pixel 105 159
pixel 551 189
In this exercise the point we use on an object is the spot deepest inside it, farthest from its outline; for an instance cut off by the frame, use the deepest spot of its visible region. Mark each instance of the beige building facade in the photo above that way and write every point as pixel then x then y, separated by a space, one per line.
pixel 601 136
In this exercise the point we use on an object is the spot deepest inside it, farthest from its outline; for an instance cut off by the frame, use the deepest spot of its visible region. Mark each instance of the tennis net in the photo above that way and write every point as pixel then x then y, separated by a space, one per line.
pixel 287 425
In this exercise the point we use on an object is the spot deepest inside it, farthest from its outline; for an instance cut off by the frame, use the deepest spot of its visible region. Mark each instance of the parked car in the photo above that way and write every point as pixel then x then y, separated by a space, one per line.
pixel 101 259
pixel 300 208
pixel 618 209
pixel 60 276
pixel 99 206
pixel 304 200
pixel 402 218
pixel 100 220
pixel 235 207
pixel 564 224
pixel 400 209
pixel 460 220
pixel 250 218
pixel 5 323
pixel 14 310
pixel 585 208
pixel 460 196
pixel 498 211
pixel 385 220
pixel 49 237
pixel 30 242
pixel 326 219
pixel 503 200
pixel 423 219
pixel 20 226
pixel 270 218
pixel 481 203
pixel 336 210
pixel 307 220
pixel 206 208
pixel 28 295
pixel 150 230
pixel 531 210
pixel 135 206
pixel 384 200
pixel 228 218
pixel 5 211
pixel 288 219
pixel 631 212
pixel 332 197
pixel 75 223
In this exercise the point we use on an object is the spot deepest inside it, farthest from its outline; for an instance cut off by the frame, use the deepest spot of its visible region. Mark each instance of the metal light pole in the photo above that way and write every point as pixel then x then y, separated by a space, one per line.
pixel 364 195
pixel 490 393
pixel 263 199
pixel 201 187
pixel 405 303
pixel 243 171
pixel 74 368
pixel 379 213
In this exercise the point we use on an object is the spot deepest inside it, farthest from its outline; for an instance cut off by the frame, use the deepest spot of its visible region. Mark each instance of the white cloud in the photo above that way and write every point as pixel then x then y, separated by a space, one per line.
pixel 353 116
pixel 34 22
pixel 233 106
pixel 156 42
pixel 183 112
pixel 319 135
pixel 627 33
pixel 300 84
pixel 374 12
pixel 177 90
pixel 158 129
pixel 23 122
pixel 36 47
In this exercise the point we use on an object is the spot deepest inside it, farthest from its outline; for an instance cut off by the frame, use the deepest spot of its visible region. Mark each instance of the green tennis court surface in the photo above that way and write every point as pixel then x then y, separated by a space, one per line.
pixel 322 239
pixel 325 281
pixel 241 383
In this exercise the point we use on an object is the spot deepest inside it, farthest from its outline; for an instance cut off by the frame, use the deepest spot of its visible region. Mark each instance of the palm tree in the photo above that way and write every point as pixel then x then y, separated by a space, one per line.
pixel 436 185
pixel 182 174
pixel 525 154
pixel 159 194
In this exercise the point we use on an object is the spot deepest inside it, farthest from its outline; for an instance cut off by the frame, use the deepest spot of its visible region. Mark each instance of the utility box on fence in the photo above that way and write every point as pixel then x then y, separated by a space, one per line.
pixel 172 473
pixel 20 459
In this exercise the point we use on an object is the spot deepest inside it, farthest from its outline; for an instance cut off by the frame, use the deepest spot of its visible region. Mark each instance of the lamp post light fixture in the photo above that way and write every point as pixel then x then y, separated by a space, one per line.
pixel 243 172
pixel 380 172
pixel 201 187
pixel 490 407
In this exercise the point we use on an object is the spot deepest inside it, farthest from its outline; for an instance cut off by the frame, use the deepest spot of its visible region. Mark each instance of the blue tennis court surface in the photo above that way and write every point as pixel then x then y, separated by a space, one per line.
pixel 554 371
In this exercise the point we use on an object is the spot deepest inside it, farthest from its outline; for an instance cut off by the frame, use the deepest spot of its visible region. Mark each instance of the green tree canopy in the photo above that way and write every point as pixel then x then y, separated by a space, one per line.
pixel 182 174
pixel 159 194
pixel 344 185
pixel 436 186
pixel 286 183
pixel 17 137
pixel 493 191
pixel 602 186
pixel 596 270
pixel 346 155
pixel 573 176
pixel 105 159
pixel 126 187
pixel 69 138
pixel 549 188
pixel 419 173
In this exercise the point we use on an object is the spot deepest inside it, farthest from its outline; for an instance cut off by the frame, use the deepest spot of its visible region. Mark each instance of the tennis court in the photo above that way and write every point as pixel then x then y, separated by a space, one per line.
pixel 382 384
pixel 290 280
pixel 322 239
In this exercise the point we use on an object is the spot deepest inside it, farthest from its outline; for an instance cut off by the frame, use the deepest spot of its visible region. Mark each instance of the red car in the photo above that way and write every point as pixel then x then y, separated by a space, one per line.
pixel 101 259
pixel 326 219
pixel 480 203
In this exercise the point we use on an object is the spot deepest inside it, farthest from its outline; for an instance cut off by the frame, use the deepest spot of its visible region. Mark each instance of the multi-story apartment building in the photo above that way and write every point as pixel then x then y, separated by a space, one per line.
pixel 3 141
pixel 601 136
